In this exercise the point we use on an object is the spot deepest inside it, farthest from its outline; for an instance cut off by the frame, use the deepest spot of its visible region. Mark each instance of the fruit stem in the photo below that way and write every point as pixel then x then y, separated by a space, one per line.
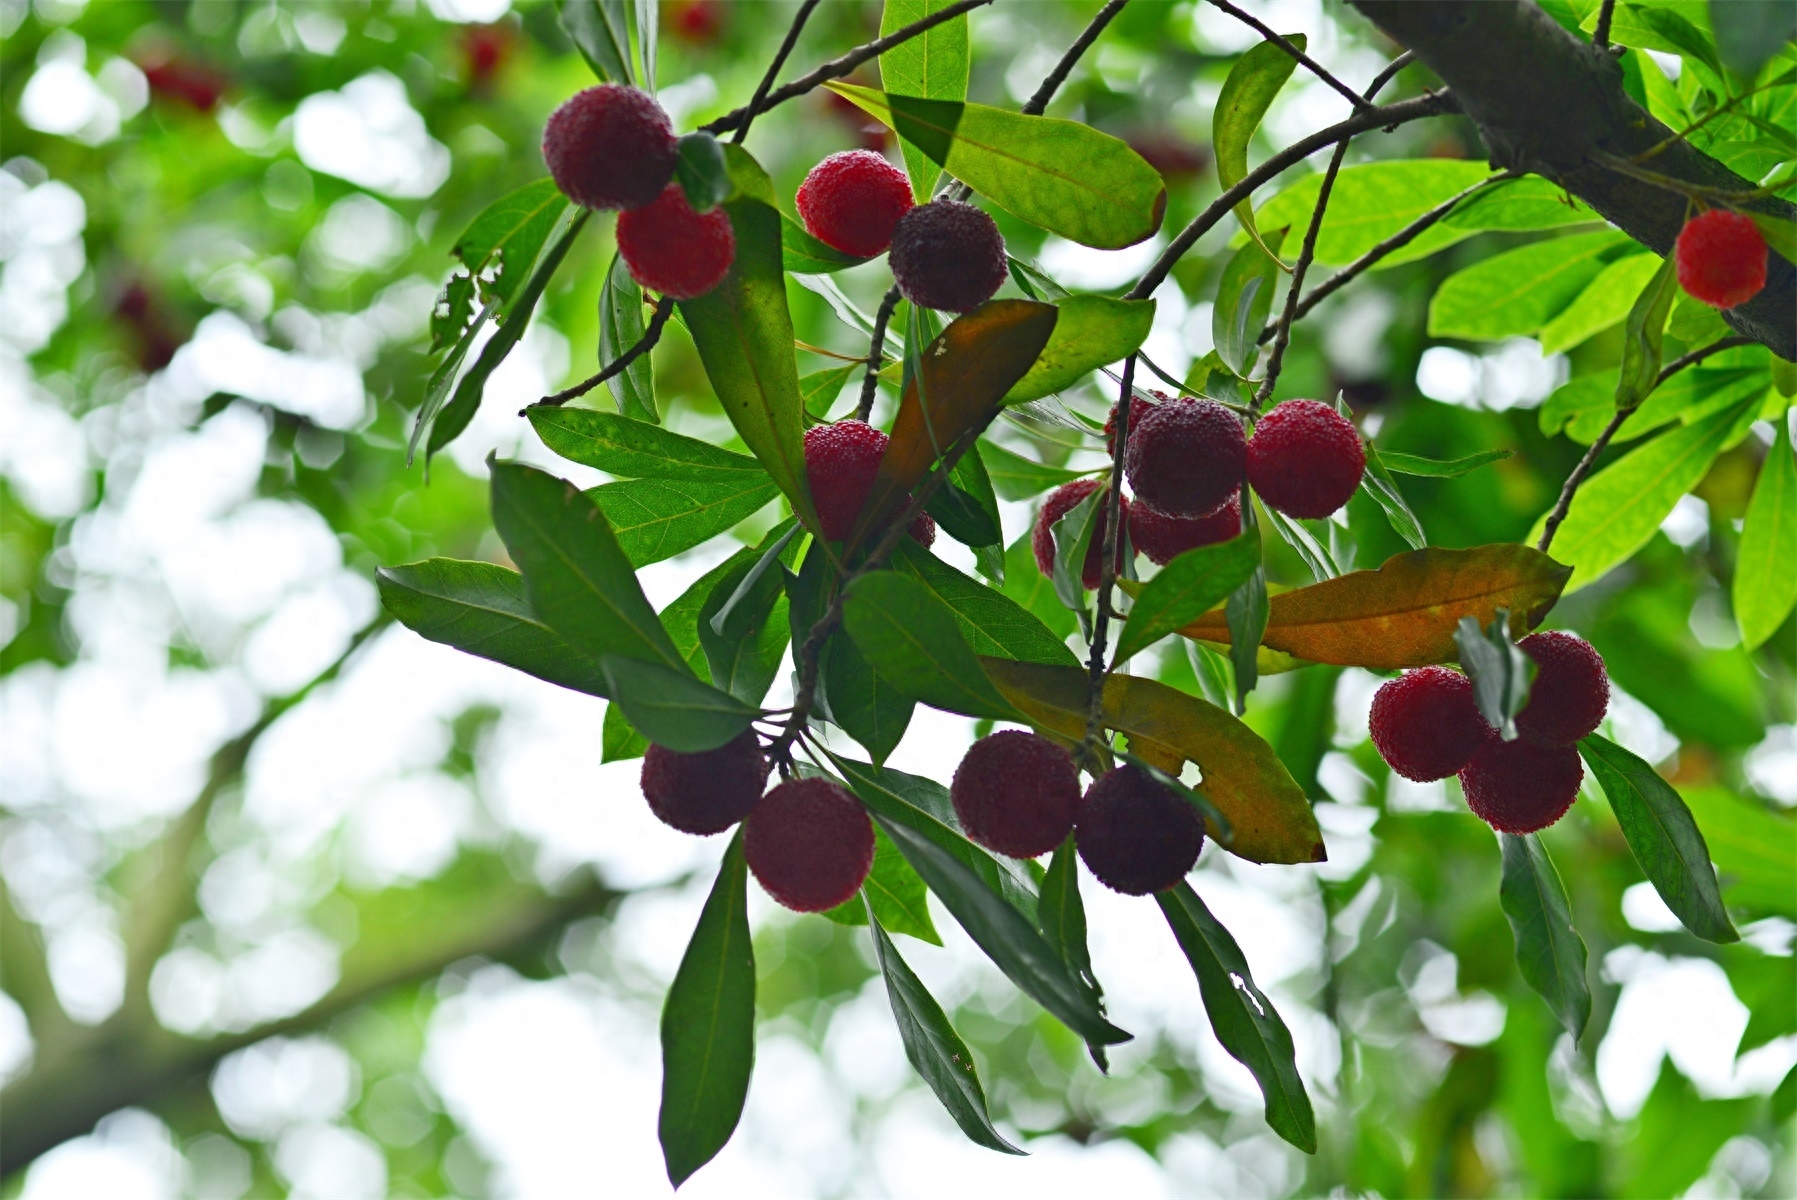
pixel 773 69
pixel 664 309
pixel 1090 748
pixel 1359 102
pixel 876 356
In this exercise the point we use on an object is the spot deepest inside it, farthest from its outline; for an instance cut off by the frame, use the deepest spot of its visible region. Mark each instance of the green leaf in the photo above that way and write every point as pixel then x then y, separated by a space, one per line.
pixel 1516 205
pixel 1061 176
pixel 621 326
pixel 1243 1017
pixel 1549 952
pixel 991 621
pixel 965 506
pixel 1663 836
pixel 700 170
pixel 1517 292
pixel 1412 464
pixel 1694 322
pixel 1185 589
pixel 1754 848
pixel 658 518
pixel 647 25
pixel 1246 612
pixel 933 65
pixel 1644 336
pixel 869 708
pixel 805 255
pixel 500 245
pixel 896 891
pixel 1584 406
pixel 1247 93
pixel 708 1027
pixel 1073 535
pixel 1605 301
pixel 1766 564
pixel 1091 332
pixel 742 623
pixel 1378 483
pixel 1015 477
pixel 635 449
pixel 820 389
pixel 911 638
pixel 600 30
pixel 673 709
pixel 1500 672
pixel 1061 915
pixel 1372 201
pixel 1780 233
pixel 1678 34
pixel 1244 299
pixel 1034 592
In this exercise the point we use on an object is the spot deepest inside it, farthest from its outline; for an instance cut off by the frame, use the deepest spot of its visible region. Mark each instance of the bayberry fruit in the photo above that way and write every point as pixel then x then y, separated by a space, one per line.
pixel 1426 725
pixel 1305 459
pixel 610 146
pixel 1163 538
pixel 1016 792
pixel 1187 457
pixel 1571 691
pixel 1138 408
pixel 947 255
pixel 852 201
pixel 809 843
pixel 673 250
pixel 1721 258
pixel 1060 502
pixel 705 793
pixel 1521 786
pixel 841 461
pixel 1136 834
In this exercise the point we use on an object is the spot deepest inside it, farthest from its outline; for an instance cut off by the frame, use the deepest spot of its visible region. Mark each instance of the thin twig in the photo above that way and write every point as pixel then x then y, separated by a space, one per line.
pixel 663 310
pixel 1107 570
pixel 1698 355
pixel 1600 37
pixel 876 356
pixel 1310 64
pixel 773 69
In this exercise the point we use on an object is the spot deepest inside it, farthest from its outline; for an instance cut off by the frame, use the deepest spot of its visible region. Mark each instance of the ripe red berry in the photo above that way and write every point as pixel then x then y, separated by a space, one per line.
pixel 853 201
pixel 1571 691
pixel 841 461
pixel 1426 724
pixel 809 843
pixel 1135 834
pixel 697 22
pixel 1305 459
pixel 1521 786
pixel 1016 792
pixel 705 793
pixel 1060 502
pixel 947 255
pixel 673 250
pixel 1721 258
pixel 610 146
pixel 1138 408
pixel 1163 538
pixel 1187 457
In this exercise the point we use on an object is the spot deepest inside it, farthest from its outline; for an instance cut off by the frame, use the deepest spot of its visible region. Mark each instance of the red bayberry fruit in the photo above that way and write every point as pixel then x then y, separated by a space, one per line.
pixel 610 146
pixel 1521 786
pixel 1138 408
pixel 1186 459
pixel 1060 502
pixel 1016 792
pixel 853 201
pixel 809 843
pixel 1721 258
pixel 484 50
pixel 705 793
pixel 841 461
pixel 195 84
pixel 1135 834
pixel 671 249
pixel 1305 459
pixel 1571 691
pixel 696 22
pixel 1163 538
pixel 1426 724
pixel 947 255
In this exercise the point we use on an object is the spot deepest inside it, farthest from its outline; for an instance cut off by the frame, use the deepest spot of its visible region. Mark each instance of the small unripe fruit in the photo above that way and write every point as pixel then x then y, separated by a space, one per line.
pixel 1305 459
pixel 610 146
pixel 705 793
pixel 1163 538
pixel 1571 692
pixel 1521 786
pixel 1426 724
pixel 852 201
pixel 809 843
pixel 1135 834
pixel 1060 502
pixel 1138 408
pixel 673 250
pixel 841 461
pixel 1187 457
pixel 947 255
pixel 1016 792
pixel 1721 258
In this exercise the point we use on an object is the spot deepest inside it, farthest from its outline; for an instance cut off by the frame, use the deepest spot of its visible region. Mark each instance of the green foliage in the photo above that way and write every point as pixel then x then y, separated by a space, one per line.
pixel 1247 93
pixel 1549 951
pixel 1766 570
pixel 934 66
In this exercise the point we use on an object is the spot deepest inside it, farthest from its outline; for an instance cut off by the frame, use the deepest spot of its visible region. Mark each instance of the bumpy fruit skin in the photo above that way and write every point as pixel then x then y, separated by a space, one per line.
pixel 1138 408
pixel 705 793
pixel 1060 502
pixel 1721 258
pixel 1187 457
pixel 1135 834
pixel 841 461
pixel 1305 459
pixel 1521 786
pixel 610 146
pixel 1016 792
pixel 853 200
pixel 1426 725
pixel 947 255
pixel 673 250
pixel 1571 691
pixel 809 843
pixel 1163 538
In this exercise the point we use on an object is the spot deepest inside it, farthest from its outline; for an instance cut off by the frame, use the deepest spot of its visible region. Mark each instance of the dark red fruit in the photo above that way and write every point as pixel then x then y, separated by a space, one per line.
pixel 1016 792
pixel 610 146
pixel 947 255
pixel 923 530
pixel 673 250
pixel 1305 459
pixel 195 84
pixel 484 50
pixel 1163 538
pixel 1137 835
pixel 1520 786
pixel 1571 691
pixel 809 843
pixel 696 22
pixel 705 793
pixel 841 461
pixel 1060 502
pixel 1138 408
pixel 1426 724
pixel 853 201
pixel 1721 258
pixel 1187 457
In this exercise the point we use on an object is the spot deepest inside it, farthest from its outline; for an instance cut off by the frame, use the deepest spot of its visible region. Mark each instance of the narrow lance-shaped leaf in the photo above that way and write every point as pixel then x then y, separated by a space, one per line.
pixel 934 65
pixel 600 30
pixel 1517 292
pixel 1246 614
pixel 621 326
pixel 1378 483
pixel 896 891
pixel 1091 332
pixel 1549 952
pixel 1244 299
pixel 1061 914
pixel 1073 536
pixel 673 709
pixel 1500 672
pixel 635 449
pixel 1247 93
pixel 805 255
pixel 648 26
pixel 656 519
pixel 500 246
pixel 1643 337
pixel 911 638
pixel 857 698
pixel 1413 464
pixel 1185 589
pixel 1765 585
pixel 742 624
pixel 992 622
pixel 1015 477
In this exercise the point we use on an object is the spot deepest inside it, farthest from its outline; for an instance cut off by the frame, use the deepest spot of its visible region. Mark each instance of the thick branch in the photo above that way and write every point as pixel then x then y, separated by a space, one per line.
pixel 1107 570
pixel 876 354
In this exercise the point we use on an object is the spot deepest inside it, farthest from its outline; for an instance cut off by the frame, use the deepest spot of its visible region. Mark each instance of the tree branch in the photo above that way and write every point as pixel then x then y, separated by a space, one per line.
pixel 1600 37
pixel 1038 103
pixel 1310 64
pixel 773 69
pixel 876 354
pixel 664 309
pixel 1107 571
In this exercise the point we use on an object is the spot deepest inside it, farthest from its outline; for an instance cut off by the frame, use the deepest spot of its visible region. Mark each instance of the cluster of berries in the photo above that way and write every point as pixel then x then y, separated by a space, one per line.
pixel 1721 258
pixel 1427 726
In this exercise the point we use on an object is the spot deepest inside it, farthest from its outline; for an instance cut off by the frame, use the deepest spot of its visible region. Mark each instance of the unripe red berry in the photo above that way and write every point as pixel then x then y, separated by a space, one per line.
pixel 1571 692
pixel 853 201
pixel 1521 786
pixel 610 146
pixel 673 250
pixel 1060 502
pixel 1016 792
pixel 1136 834
pixel 709 792
pixel 1163 538
pixel 810 844
pixel 947 255
pixel 1426 724
pixel 1138 408
pixel 1187 457
pixel 841 462
pixel 1721 258
pixel 1305 459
